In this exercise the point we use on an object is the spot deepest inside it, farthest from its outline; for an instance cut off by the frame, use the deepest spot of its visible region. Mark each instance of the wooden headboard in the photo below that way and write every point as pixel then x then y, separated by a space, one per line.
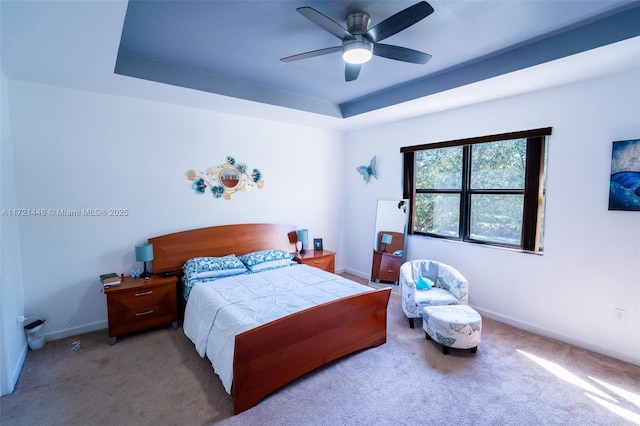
pixel 397 242
pixel 171 251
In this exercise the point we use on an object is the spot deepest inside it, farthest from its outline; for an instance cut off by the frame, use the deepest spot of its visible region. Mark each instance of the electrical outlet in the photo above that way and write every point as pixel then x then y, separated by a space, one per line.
pixel 621 314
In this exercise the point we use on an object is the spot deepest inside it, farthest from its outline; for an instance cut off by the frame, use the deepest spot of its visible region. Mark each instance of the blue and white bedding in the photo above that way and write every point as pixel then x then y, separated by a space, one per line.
pixel 220 308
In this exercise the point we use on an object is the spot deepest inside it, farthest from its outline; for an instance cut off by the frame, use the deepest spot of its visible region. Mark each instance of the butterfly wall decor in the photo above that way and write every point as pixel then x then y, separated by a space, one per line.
pixel 368 171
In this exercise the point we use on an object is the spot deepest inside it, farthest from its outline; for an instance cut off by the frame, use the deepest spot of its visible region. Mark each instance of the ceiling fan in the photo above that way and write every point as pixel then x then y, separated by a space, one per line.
pixel 359 42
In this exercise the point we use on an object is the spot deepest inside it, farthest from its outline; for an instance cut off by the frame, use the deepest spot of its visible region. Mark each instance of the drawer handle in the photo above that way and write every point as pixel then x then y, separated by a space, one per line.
pixel 389 270
pixel 140 314
pixel 146 293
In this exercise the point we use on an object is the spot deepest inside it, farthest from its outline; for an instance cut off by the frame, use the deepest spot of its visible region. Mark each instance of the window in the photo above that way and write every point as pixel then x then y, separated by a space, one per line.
pixel 486 190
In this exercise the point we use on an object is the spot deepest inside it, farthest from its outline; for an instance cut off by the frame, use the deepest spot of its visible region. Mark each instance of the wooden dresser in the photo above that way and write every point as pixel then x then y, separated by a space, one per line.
pixel 137 304
pixel 321 259
pixel 385 267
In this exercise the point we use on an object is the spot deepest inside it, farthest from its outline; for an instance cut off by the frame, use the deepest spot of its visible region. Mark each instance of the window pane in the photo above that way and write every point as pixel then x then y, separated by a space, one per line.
pixel 496 218
pixel 498 165
pixel 439 168
pixel 438 214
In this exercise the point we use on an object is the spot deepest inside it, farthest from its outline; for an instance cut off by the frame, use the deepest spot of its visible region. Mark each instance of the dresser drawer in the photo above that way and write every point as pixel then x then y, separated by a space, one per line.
pixel 321 259
pixel 321 263
pixel 140 297
pixel 137 305
pixel 390 268
pixel 385 267
pixel 141 318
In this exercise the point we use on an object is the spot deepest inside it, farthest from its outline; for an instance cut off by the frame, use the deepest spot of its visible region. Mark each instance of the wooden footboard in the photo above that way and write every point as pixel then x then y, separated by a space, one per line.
pixel 272 355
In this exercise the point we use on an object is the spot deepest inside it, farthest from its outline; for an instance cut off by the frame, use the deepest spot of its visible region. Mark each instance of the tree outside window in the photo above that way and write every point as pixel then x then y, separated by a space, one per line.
pixel 487 190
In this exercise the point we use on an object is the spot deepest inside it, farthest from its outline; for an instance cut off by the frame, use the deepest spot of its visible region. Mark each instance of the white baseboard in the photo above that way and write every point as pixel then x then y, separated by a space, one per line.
pixel 541 331
pixel 356 273
pixel 557 336
pixel 74 331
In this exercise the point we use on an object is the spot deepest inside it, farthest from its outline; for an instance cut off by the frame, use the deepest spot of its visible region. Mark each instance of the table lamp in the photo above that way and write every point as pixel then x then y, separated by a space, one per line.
pixel 386 239
pixel 303 237
pixel 144 253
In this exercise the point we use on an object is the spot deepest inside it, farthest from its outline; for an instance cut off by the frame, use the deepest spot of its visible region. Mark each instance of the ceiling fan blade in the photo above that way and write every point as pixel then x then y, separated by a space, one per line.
pixel 400 21
pixel 351 71
pixel 400 53
pixel 325 23
pixel 312 54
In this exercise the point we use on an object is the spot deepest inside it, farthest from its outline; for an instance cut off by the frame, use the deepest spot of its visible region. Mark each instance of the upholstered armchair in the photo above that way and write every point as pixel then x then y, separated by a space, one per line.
pixel 430 283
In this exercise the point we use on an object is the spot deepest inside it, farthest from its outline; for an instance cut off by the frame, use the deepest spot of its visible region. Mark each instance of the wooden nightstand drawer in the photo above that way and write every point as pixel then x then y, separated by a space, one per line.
pixel 138 304
pixel 141 319
pixel 321 259
pixel 390 268
pixel 385 267
pixel 140 297
pixel 322 263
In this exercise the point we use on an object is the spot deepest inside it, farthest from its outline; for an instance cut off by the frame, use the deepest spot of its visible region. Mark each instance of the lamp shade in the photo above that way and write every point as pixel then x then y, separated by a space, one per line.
pixel 357 52
pixel 386 238
pixel 302 235
pixel 144 252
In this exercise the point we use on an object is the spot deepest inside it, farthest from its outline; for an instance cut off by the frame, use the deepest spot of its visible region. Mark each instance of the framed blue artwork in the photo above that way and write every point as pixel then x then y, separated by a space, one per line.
pixel 624 186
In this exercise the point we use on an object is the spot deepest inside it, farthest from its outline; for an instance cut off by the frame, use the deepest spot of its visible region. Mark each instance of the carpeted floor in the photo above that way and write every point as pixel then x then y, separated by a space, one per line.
pixel 157 378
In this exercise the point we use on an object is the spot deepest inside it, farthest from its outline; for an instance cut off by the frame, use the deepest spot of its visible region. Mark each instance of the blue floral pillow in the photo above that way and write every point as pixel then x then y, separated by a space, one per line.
pixel 272 264
pixel 262 256
pixel 206 267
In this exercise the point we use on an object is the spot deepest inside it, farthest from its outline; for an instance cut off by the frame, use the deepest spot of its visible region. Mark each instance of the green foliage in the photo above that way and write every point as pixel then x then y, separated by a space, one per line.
pixel 494 166
pixel 438 214
pixel 498 165
pixel 439 168
pixel 496 218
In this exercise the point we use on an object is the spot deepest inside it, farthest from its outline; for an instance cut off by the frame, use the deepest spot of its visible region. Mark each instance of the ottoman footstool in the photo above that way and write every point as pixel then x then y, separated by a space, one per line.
pixel 453 326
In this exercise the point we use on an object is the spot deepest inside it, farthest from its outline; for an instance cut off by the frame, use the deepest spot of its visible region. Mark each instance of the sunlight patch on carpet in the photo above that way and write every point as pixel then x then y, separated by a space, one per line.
pixel 620 411
pixel 566 375
pixel 602 398
pixel 633 398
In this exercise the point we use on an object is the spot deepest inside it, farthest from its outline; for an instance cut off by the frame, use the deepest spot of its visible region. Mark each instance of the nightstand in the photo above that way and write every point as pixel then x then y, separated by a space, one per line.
pixel 321 259
pixel 137 304
pixel 385 267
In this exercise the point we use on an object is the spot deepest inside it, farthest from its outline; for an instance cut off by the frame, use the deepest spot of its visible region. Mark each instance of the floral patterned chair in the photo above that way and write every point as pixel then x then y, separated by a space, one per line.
pixel 430 283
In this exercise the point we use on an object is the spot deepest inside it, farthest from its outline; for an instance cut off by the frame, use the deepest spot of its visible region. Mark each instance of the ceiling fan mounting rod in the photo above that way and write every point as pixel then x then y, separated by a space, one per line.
pixel 357 22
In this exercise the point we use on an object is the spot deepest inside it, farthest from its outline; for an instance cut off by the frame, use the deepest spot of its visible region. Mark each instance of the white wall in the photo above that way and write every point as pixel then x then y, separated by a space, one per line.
pixel 362 200
pixel 80 150
pixel 13 345
pixel 591 262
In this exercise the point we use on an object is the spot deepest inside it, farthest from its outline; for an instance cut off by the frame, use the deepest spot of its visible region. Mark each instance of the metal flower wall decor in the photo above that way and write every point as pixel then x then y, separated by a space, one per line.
pixel 226 179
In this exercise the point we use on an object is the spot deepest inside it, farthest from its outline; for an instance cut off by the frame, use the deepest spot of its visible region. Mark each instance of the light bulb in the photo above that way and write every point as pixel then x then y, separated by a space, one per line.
pixel 357 52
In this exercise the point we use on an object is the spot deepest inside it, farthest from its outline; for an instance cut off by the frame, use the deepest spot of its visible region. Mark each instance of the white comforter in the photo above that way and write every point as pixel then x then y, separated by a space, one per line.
pixel 219 310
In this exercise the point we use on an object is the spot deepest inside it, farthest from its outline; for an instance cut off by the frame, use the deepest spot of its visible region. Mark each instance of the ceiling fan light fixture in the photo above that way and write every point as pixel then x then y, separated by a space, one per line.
pixel 357 52
pixel 360 43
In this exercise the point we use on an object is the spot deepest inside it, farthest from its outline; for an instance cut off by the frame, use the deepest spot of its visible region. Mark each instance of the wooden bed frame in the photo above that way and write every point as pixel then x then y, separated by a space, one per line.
pixel 274 354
